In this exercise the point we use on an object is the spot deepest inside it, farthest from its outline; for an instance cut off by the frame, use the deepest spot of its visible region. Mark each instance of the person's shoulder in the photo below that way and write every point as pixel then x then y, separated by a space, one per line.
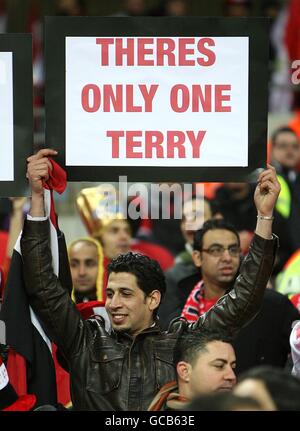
pixel 180 270
pixel 274 296
pixel 190 280
pixel 276 299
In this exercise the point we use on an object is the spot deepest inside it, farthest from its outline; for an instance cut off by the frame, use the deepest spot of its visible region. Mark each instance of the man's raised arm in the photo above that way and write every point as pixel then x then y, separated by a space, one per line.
pixel 242 303
pixel 48 298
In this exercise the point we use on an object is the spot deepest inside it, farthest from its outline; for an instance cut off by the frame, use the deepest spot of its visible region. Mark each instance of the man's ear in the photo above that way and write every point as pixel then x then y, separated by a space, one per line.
pixel 154 299
pixel 196 255
pixel 183 371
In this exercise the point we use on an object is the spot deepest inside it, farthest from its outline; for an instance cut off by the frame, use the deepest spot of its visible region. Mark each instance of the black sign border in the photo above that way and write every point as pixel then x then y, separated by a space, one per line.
pixel 21 46
pixel 57 28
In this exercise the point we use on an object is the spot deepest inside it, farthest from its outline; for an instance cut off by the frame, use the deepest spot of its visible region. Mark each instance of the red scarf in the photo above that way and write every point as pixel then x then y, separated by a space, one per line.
pixel 168 397
pixel 196 304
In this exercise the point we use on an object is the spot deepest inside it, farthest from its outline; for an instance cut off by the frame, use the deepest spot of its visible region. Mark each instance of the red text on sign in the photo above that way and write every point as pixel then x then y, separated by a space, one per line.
pixel 160 51
pixel 155 144
pixel 118 98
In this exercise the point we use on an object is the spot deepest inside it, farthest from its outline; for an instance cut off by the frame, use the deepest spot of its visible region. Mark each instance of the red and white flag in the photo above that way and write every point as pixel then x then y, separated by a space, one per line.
pixel 30 363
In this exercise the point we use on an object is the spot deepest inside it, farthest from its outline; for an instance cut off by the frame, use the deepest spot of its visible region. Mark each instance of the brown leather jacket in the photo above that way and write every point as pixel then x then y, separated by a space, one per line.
pixel 116 371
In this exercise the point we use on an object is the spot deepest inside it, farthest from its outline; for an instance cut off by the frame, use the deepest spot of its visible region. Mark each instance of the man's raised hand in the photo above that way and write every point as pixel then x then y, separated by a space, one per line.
pixel 266 192
pixel 38 168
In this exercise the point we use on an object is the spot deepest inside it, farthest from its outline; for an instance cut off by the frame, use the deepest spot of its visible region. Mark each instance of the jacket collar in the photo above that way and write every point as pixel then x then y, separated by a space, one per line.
pixel 153 329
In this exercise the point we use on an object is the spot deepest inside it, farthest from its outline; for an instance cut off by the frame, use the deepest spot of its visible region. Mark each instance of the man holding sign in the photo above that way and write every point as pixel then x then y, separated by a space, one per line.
pixel 124 369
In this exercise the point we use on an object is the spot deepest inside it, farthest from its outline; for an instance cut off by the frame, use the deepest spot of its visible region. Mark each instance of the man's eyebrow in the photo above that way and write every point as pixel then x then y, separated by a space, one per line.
pixel 119 288
pixel 214 244
pixel 219 360
pixel 222 245
pixel 224 361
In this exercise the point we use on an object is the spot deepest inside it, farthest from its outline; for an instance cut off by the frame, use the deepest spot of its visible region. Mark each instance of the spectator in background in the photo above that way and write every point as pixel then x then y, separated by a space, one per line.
pixel 100 211
pixel 205 363
pixel 172 8
pixel 237 8
pixel 194 212
pixel 265 340
pixel 235 203
pixel 70 7
pixel 288 281
pixel 86 264
pixel 177 7
pixel 286 157
pixel 273 388
pixel 89 277
pixel 133 8
pixel 223 402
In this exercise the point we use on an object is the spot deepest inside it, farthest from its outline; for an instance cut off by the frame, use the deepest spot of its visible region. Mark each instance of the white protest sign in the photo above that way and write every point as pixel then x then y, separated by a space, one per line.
pixel 157 101
pixel 6 118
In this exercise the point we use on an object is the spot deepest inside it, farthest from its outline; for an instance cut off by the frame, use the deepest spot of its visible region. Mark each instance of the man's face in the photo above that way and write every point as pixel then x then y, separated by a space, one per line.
pixel 286 150
pixel 218 270
pixel 195 213
pixel 83 258
pixel 128 308
pixel 238 191
pixel 177 8
pixel 213 370
pixel 135 7
pixel 116 238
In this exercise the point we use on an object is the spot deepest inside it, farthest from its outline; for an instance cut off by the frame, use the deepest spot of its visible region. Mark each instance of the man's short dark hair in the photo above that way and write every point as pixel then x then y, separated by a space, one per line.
pixel 283 387
pixel 190 344
pixel 148 273
pixel 212 224
pixel 284 129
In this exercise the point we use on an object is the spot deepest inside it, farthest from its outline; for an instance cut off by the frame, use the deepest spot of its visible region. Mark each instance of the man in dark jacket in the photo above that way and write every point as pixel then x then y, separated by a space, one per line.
pixel 124 369
pixel 217 253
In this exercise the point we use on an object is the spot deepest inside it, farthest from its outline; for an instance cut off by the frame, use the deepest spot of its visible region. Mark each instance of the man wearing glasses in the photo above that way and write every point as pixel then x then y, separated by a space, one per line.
pixel 217 255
